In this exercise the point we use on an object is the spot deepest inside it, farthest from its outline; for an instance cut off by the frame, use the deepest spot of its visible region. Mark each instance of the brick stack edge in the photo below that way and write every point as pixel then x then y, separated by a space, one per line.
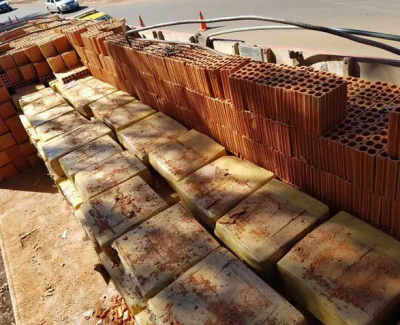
pixel 16 151
pixel 334 138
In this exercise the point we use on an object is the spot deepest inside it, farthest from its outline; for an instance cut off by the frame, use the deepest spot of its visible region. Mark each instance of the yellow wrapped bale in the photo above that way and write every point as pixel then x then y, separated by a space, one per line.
pixel 88 155
pixel 107 103
pixel 124 286
pixel 118 210
pixel 60 125
pixel 150 134
pixel 70 193
pixel 27 95
pixel 222 290
pixel 109 173
pixel 213 190
pixel 62 145
pixel 42 104
pixel 265 226
pixel 157 251
pixel 345 272
pixel 184 155
pixel 127 115
pixel 85 93
pixel 50 115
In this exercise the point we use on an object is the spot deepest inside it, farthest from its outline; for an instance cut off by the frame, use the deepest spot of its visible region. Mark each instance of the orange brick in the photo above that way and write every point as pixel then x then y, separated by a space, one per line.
pixel 3 126
pixel 4 95
pixel 27 148
pixel 43 69
pixel 57 64
pixel 48 49
pixel 8 171
pixel 20 58
pixel 7 110
pixel 14 75
pixel 17 129
pixel 21 164
pixel 34 54
pixel 62 44
pixel 4 159
pixel 28 71
pixel 14 153
pixel 34 160
pixel 70 59
pixel 7 62
pixel 6 141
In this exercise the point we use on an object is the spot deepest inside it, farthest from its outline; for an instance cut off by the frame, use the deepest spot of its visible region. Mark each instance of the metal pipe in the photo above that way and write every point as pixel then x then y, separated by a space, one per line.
pixel 323 29
pixel 390 37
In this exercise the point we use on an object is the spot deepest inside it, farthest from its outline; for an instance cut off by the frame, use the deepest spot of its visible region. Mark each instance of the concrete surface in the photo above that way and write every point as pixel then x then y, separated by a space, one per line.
pixel 381 16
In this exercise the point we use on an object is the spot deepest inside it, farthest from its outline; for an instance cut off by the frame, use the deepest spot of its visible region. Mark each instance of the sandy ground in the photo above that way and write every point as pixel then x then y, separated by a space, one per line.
pixel 52 280
pixel 6 313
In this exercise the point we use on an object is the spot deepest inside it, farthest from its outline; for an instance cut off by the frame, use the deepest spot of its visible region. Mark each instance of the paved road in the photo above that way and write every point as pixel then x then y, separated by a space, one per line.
pixel 373 15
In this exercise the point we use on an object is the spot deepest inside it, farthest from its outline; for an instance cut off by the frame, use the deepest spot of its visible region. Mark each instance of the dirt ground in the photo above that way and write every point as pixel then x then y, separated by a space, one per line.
pixel 6 313
pixel 52 280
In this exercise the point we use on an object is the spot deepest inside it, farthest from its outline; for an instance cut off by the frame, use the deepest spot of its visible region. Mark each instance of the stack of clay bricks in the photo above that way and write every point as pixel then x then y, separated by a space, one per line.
pixel 62 58
pixel 38 53
pixel 16 151
pixel 88 41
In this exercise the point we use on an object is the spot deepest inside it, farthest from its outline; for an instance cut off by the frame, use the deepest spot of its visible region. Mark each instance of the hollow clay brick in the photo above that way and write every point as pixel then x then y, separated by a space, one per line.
pixel 56 64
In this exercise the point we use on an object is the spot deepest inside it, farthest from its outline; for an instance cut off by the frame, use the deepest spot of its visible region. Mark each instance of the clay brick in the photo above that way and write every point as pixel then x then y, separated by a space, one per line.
pixel 6 141
pixel 4 159
pixel 28 71
pixel 393 146
pixel 48 49
pixel 8 171
pixel 7 110
pixel 4 95
pixel 14 153
pixel 21 164
pixel 61 44
pixel 17 129
pixel 34 160
pixel 386 176
pixel 20 58
pixel 3 126
pixel 14 75
pixel 7 62
pixel 27 148
pixel 43 69
pixel 34 54
pixel 57 64
pixel 70 59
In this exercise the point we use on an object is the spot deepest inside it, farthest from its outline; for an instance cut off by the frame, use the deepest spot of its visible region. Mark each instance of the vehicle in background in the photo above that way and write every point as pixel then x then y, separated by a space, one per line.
pixel 61 6
pixel 93 14
pixel 5 6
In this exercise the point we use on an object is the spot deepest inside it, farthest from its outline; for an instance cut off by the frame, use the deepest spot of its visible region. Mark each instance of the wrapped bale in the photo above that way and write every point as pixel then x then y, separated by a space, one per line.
pixel 184 155
pixel 344 272
pixel 118 210
pixel 109 173
pixel 265 226
pixel 213 190
pixel 154 257
pixel 88 155
pixel 222 290
pixel 150 134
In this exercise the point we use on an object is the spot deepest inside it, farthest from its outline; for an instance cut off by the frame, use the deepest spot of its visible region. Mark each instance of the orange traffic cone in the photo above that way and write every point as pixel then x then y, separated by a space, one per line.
pixel 203 26
pixel 141 22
